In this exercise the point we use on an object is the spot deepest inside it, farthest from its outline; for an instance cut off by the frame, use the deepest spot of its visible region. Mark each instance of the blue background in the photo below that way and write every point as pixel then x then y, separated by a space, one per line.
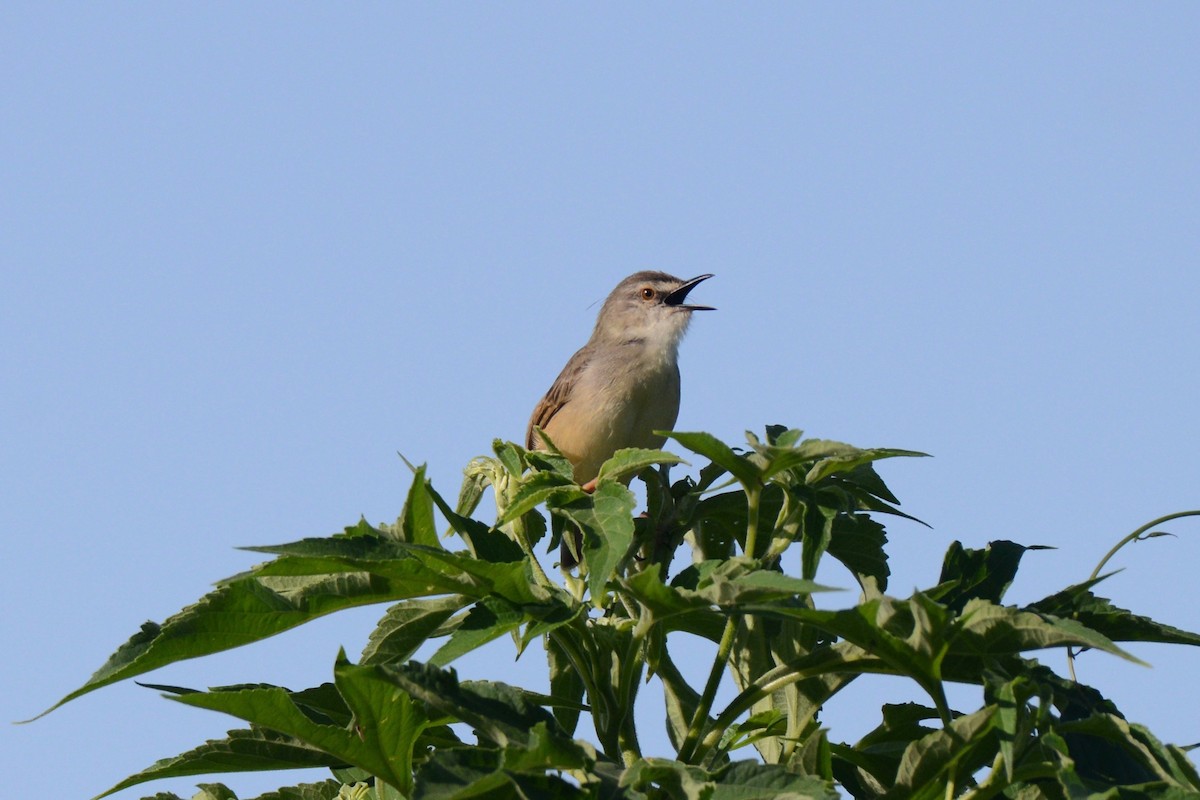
pixel 251 251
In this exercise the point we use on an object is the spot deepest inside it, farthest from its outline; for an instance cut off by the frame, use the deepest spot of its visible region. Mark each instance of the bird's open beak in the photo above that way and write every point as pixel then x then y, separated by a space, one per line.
pixel 677 297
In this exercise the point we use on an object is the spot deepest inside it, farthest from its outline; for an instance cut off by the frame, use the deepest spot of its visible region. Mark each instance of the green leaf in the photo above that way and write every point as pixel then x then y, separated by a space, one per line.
pixel 604 518
pixel 499 713
pixel 737 582
pixel 630 461
pixel 486 543
pixel 781 458
pixel 565 684
pixel 417 524
pixel 250 750
pixel 478 773
pixel 886 628
pixel 475 482
pixel 509 456
pixel 986 628
pixel 858 541
pixel 387 726
pixel 720 454
pixel 249 609
pixel 782 436
pixel 543 460
pixel 742 780
pixel 408 625
pixel 943 757
pixel 662 603
pixel 850 461
pixel 681 700
pixel 1109 749
pixel 1099 614
pixel 325 790
pixel 985 574
pixel 488 619
pixel 537 489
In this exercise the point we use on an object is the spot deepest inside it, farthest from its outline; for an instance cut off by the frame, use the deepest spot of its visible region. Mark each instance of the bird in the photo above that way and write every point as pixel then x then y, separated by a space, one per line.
pixel 623 385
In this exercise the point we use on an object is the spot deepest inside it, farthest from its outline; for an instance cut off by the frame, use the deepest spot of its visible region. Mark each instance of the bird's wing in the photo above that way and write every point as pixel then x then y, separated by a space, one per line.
pixel 557 397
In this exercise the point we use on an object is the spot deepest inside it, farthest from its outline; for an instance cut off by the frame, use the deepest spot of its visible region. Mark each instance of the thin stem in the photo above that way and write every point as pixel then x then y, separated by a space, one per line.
pixel 1133 537
pixel 752 498
pixel 688 748
pixel 631 670
pixel 780 677
pixel 1137 535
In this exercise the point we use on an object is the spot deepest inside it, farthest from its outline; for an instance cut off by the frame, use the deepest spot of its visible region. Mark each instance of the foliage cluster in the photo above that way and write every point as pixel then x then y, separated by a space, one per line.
pixel 758 522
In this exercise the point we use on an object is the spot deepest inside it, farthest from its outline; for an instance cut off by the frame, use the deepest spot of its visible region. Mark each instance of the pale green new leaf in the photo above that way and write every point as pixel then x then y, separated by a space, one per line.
pixel 537 489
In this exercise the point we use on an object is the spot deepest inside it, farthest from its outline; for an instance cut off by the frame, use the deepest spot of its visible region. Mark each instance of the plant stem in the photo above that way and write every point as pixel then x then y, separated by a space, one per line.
pixel 687 749
pixel 631 670
pixel 1133 537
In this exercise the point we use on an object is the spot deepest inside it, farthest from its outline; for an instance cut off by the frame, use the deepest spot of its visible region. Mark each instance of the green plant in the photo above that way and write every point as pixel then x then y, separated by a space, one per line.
pixel 386 726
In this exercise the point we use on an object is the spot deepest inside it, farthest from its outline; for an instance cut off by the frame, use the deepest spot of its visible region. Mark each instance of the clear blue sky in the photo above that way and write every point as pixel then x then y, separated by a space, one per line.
pixel 251 251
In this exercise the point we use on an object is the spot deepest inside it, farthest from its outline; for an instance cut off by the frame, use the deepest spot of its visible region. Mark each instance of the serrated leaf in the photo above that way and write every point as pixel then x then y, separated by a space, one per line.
pixel 387 724
pixel 721 454
pixel 929 763
pixel 325 790
pixel 680 698
pixel 984 574
pixel 734 584
pixel 250 750
pixel 604 518
pixel 509 455
pixel 631 460
pixel 500 713
pixel 749 780
pixel 417 524
pixel 486 543
pixel 986 628
pixel 1099 614
pixel 742 780
pixel 660 600
pixel 537 489
pixel 251 609
pixel 543 460
pixel 848 462
pixel 406 626
pixel 487 620
pixel 476 773
pixel 565 684
pixel 858 542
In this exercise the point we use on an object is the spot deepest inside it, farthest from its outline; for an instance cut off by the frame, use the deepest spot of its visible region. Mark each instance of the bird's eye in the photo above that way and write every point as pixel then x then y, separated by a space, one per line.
pixel 647 293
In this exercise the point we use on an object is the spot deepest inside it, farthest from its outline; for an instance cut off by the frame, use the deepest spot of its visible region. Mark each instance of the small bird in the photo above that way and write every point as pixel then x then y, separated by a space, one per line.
pixel 623 384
